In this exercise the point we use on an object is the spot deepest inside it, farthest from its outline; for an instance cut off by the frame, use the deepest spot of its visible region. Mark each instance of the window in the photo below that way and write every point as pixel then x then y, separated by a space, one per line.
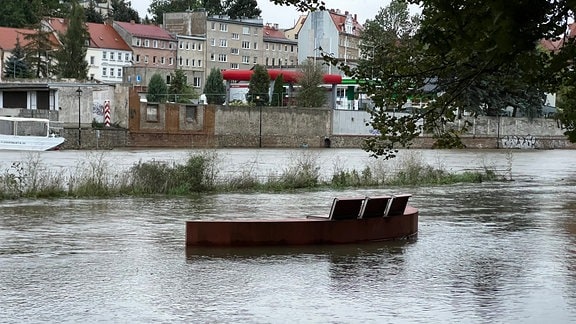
pixel 234 51
pixel 187 62
pixel 171 46
pixel 213 26
pixel 222 58
pixel 246 30
pixel 246 44
pixel 266 61
pixel 171 60
pixel 137 57
pixel 187 46
pixel 162 60
pixel 267 46
pixel 212 57
pixel 197 82
pixel 192 63
pixel 154 59
pixel 234 66
pixel 292 48
pixel 181 45
pixel 111 72
pixel 138 42
pixel 104 71
pixel 145 58
pixel 155 44
pixel 255 45
pixel 199 46
pixel 223 43
pixel 235 36
pixel 104 55
pixel 92 60
pixel 126 57
pixel 152 113
pixel 190 114
pixel 212 42
pixel 168 79
pixel 199 63
pixel 119 73
pixel 193 46
pixel 180 61
pixel 272 46
pixel 146 43
pixel 223 27
pixel 255 60
pixel 246 59
pixel 273 61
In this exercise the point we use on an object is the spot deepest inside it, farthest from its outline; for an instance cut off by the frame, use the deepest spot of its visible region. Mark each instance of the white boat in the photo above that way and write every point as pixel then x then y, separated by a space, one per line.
pixel 27 134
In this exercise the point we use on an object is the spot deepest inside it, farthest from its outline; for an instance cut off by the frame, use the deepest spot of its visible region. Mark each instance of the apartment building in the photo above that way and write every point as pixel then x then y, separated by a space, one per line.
pixel 331 32
pixel 153 51
pixel 230 43
pixel 107 55
pixel 279 51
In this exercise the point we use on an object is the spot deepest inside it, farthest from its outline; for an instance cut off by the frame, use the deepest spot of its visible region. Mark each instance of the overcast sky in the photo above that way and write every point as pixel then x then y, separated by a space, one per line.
pixel 285 16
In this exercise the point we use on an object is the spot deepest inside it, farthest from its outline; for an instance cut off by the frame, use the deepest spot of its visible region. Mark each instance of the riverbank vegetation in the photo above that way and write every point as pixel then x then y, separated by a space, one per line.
pixel 200 173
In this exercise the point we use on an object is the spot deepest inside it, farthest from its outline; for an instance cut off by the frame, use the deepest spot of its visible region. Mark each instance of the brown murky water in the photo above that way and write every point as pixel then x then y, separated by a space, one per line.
pixel 486 253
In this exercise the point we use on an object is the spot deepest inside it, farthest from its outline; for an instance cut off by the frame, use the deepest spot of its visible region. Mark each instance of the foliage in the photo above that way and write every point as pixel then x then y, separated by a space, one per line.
pixel 278 92
pixel 18 13
pixel 39 52
pixel 16 66
pixel 179 88
pixel 123 11
pixel 243 8
pixel 215 90
pixel 310 93
pixel 259 86
pixel 214 7
pixel 71 55
pixel 566 102
pixel 468 57
pixel 157 89
pixel 92 15
pixel 159 7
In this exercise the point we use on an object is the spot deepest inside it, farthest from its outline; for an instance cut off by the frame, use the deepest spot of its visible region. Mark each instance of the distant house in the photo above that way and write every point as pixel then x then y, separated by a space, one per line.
pixel 108 54
pixel 331 32
pixel 279 51
pixel 153 50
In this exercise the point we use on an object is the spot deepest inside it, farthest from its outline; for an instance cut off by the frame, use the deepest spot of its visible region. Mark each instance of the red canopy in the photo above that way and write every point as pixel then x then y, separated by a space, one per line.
pixel 289 76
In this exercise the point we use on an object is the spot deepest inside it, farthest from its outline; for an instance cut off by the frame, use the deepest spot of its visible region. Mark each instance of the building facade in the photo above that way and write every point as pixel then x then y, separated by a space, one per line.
pixel 107 55
pixel 153 51
pixel 279 51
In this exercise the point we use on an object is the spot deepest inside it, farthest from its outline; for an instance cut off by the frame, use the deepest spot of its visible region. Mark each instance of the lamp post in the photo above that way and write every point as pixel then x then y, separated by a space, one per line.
pixel 260 128
pixel 79 92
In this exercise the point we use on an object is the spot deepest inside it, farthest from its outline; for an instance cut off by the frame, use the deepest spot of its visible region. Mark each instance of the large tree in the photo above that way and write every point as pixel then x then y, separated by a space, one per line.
pixel 243 8
pixel 18 13
pixel 16 66
pixel 310 93
pixel 179 88
pixel 122 11
pixel 215 90
pixel 157 89
pixel 71 55
pixel 39 52
pixel 92 15
pixel 259 86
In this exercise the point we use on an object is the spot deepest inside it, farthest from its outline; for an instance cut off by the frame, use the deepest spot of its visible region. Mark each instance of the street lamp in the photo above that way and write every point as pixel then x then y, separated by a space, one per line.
pixel 79 92
pixel 260 128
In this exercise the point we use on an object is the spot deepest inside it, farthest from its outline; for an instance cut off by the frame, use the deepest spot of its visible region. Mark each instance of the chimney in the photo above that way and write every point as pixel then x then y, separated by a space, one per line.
pixel 355 17
pixel 346 13
pixel 276 26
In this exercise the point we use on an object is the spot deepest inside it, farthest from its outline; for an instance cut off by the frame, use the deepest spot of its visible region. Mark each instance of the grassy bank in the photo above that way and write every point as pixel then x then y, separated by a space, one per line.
pixel 200 174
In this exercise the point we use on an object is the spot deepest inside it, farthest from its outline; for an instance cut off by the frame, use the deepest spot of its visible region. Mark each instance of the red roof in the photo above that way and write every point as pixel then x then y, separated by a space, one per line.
pixel 340 22
pixel 273 32
pixel 9 35
pixel 145 31
pixel 105 36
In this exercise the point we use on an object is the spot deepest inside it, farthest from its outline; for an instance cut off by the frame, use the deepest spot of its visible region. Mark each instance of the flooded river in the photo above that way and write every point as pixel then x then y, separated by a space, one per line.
pixel 501 252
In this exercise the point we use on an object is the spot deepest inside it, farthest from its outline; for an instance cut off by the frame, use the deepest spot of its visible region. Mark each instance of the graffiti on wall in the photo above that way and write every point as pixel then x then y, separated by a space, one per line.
pixel 518 142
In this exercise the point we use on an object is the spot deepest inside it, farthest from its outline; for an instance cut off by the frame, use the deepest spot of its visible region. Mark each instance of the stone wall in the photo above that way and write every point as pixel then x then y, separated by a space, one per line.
pixel 107 138
pixel 271 126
